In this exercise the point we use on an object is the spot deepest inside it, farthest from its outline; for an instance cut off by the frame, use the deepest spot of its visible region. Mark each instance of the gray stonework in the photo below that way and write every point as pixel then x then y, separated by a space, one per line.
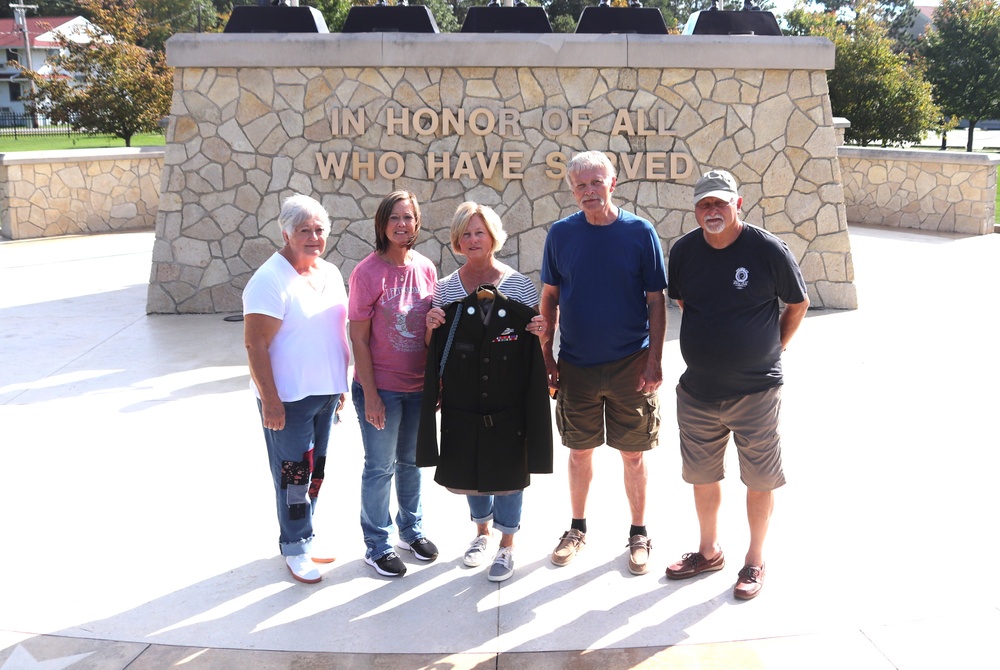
pixel 242 137
pixel 840 126
pixel 78 192
pixel 928 190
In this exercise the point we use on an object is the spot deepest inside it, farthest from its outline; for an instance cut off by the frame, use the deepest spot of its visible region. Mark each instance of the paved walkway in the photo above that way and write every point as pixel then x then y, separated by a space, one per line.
pixel 138 524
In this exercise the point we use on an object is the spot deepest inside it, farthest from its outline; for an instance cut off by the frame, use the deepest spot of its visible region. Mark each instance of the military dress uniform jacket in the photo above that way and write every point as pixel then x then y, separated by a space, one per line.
pixel 496 425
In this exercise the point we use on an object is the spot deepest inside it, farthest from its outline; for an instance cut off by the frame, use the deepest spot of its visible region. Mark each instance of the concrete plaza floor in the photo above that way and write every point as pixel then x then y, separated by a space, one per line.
pixel 138 524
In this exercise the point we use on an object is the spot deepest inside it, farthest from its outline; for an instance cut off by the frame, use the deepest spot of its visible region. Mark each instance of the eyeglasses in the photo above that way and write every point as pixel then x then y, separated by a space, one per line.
pixel 708 205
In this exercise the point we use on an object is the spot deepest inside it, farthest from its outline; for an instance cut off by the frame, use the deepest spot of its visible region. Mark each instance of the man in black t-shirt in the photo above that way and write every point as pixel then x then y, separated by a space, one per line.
pixel 729 279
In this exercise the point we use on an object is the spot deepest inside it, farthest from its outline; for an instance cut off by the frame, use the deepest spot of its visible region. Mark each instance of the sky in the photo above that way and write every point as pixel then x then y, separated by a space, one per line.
pixel 782 6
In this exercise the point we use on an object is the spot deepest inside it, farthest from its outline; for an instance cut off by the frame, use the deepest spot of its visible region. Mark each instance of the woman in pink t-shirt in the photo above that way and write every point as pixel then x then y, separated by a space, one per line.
pixel 390 294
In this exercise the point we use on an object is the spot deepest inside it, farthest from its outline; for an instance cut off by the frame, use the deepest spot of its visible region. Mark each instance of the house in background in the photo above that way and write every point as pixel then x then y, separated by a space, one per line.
pixel 924 18
pixel 43 32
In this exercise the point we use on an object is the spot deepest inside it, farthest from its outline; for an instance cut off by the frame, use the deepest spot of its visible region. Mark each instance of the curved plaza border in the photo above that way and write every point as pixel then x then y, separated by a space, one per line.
pixel 138 510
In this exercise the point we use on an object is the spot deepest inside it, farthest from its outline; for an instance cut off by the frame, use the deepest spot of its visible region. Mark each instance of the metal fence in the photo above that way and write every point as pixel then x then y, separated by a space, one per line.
pixel 13 124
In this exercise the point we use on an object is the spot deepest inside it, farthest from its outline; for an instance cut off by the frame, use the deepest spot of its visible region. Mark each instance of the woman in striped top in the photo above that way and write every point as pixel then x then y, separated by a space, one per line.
pixel 477 233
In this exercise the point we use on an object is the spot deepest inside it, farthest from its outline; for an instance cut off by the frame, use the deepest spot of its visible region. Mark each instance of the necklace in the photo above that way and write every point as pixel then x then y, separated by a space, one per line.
pixel 318 283
pixel 401 269
pixel 315 279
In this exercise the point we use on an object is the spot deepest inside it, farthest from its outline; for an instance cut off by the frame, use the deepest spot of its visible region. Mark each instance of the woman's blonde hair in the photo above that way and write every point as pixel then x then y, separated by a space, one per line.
pixel 464 214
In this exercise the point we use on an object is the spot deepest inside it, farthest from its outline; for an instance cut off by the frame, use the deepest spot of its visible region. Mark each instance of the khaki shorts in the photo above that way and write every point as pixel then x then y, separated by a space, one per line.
pixel 753 421
pixel 590 397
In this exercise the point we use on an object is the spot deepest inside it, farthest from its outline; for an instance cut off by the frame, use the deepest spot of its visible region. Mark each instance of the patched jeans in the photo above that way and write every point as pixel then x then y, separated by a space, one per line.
pixel 505 511
pixel 390 452
pixel 297 455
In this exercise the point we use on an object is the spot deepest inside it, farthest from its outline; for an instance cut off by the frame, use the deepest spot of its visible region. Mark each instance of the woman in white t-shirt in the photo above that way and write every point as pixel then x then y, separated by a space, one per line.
pixel 477 233
pixel 295 330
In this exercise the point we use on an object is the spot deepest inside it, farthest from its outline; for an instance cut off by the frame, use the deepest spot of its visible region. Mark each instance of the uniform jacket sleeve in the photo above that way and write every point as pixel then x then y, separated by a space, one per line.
pixel 427 432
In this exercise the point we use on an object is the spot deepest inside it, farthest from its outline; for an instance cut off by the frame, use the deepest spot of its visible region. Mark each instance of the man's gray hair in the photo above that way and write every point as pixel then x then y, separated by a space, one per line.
pixel 297 209
pixel 589 160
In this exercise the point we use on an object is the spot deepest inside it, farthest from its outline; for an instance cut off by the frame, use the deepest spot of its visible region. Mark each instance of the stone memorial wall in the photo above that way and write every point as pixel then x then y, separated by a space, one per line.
pixel 929 190
pixel 78 192
pixel 347 118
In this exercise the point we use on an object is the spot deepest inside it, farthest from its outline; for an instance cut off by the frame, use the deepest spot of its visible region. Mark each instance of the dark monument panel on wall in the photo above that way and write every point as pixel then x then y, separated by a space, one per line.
pixel 395 19
pixel 506 20
pixel 275 19
pixel 734 23
pixel 606 20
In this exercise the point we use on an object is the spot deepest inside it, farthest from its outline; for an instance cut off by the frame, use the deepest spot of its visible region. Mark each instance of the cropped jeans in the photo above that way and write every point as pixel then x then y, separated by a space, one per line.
pixel 297 455
pixel 505 511
pixel 390 452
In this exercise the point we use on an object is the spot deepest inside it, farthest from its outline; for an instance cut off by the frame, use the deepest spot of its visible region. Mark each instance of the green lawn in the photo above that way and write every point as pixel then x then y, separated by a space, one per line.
pixel 59 142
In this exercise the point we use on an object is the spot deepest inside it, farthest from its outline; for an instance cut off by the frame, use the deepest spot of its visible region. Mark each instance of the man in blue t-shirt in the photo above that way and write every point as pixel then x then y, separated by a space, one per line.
pixel 602 283
pixel 728 278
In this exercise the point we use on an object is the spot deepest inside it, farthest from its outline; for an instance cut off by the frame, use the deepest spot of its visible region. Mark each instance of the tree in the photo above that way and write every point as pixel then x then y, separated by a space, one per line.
pixel 444 15
pixel 896 15
pixel 107 85
pixel 563 23
pixel 963 54
pixel 460 8
pixel 800 21
pixel 564 14
pixel 335 12
pixel 165 18
pixel 882 93
pixel 45 8
pixel 677 12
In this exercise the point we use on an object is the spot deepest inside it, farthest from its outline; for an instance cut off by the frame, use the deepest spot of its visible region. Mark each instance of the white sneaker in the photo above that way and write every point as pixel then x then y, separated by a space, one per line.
pixel 503 565
pixel 476 552
pixel 303 568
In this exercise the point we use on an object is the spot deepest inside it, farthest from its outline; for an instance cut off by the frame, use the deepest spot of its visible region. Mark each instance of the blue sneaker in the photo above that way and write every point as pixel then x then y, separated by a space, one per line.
pixel 503 565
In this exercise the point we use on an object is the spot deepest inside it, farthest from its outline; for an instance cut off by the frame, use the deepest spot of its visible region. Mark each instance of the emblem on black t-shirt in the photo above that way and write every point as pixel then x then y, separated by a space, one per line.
pixel 742 279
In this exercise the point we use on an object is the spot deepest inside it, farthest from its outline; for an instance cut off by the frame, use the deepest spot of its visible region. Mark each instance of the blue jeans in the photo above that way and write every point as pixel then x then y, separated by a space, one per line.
pixel 297 454
pixel 390 451
pixel 504 510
